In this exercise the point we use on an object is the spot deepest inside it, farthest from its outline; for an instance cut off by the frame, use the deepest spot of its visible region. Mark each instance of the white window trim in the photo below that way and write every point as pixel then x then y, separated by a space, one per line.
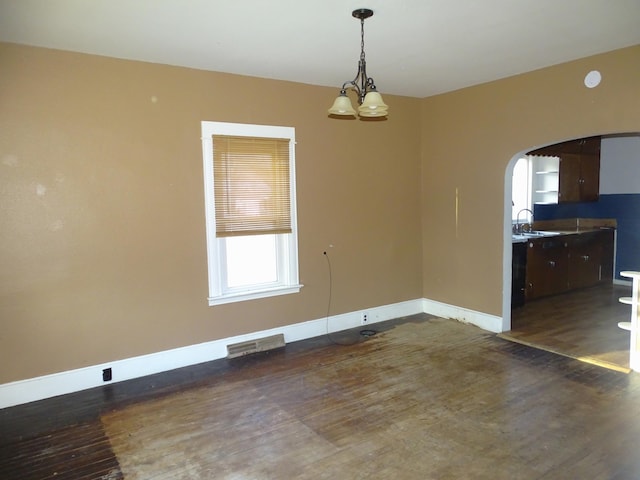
pixel 215 257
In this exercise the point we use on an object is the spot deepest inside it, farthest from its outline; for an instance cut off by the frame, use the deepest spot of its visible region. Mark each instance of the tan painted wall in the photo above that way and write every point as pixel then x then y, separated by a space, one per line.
pixel 102 236
pixel 102 252
pixel 468 138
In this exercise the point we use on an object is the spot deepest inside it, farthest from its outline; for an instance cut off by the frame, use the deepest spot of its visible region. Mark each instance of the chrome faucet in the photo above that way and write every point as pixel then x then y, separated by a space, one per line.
pixel 519 226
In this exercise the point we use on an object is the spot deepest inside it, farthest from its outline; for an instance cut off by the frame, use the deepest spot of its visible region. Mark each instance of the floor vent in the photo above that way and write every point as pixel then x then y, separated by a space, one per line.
pixel 254 346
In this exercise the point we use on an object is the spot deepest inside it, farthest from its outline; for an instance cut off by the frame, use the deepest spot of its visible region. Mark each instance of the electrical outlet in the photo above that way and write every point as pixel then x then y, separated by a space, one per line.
pixel 365 318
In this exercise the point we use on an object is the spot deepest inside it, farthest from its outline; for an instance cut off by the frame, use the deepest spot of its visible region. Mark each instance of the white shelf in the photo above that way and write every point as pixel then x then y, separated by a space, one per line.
pixel 545 181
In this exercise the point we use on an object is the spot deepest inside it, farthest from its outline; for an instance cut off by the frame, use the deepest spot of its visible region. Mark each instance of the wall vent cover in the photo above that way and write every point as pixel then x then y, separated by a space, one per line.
pixel 254 346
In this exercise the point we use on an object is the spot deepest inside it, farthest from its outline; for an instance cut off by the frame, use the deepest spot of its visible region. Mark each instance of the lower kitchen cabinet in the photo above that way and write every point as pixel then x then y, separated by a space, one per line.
pixel 568 262
pixel 585 256
pixel 518 274
pixel 546 267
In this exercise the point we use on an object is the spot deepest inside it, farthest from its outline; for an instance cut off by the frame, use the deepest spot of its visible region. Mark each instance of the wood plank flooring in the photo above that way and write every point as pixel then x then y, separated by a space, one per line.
pixel 581 324
pixel 77 451
pixel 425 398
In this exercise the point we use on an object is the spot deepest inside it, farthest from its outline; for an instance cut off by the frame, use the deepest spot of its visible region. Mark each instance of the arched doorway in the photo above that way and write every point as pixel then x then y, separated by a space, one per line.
pixel 614 188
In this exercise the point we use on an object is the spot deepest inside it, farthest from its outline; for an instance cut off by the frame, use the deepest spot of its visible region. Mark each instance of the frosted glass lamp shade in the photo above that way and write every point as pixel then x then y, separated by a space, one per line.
pixel 373 105
pixel 342 106
pixel 373 113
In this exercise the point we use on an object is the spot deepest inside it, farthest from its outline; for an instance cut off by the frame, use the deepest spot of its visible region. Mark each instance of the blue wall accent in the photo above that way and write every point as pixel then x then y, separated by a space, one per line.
pixel 625 208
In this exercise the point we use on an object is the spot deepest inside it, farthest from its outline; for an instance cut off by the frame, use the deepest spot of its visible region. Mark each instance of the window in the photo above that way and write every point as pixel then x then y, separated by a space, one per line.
pixel 250 206
pixel 521 187
pixel 535 181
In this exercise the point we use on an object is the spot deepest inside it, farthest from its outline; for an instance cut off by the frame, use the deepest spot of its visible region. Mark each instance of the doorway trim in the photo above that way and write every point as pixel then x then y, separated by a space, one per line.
pixel 507 253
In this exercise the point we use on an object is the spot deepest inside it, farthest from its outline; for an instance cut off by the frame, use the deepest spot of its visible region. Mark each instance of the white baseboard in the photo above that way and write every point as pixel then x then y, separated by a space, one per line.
pixel 485 321
pixel 39 388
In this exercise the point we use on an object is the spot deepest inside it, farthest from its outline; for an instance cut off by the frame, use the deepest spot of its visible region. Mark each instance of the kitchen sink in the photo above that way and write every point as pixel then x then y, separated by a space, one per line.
pixel 524 236
pixel 540 233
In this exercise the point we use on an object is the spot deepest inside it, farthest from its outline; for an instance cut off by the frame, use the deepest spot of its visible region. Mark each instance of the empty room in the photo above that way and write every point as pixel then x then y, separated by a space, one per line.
pixel 227 252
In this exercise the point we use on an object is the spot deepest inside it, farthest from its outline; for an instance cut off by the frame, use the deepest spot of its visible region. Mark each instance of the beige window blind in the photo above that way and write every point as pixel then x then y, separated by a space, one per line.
pixel 251 185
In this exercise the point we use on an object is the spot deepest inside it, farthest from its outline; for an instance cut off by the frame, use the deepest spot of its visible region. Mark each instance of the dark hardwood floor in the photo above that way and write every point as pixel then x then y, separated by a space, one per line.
pixel 581 324
pixel 425 398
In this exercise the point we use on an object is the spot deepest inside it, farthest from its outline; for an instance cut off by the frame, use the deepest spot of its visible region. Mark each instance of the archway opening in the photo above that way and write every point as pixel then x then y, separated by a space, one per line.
pixel 619 201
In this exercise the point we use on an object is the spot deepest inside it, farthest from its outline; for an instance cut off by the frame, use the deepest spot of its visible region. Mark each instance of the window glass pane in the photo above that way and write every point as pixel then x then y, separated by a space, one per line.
pixel 521 189
pixel 251 260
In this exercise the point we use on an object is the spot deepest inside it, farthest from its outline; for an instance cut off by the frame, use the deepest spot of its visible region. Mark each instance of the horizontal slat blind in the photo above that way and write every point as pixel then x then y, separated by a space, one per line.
pixel 251 185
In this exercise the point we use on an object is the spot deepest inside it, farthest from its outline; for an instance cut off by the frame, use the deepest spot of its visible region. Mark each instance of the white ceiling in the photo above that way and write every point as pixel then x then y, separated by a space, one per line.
pixel 413 47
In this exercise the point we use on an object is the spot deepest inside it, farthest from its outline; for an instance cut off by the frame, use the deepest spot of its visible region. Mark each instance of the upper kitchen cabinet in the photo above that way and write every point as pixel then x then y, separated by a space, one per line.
pixel 578 169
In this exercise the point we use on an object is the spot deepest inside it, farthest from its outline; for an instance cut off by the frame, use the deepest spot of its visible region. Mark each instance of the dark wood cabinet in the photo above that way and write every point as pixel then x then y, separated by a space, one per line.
pixel 569 179
pixel 579 178
pixel 518 274
pixel 589 177
pixel 585 256
pixel 546 267
pixel 568 262
pixel 579 170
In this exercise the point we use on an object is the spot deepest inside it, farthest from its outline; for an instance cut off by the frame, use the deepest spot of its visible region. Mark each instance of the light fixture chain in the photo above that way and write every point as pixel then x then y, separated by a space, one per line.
pixel 362 39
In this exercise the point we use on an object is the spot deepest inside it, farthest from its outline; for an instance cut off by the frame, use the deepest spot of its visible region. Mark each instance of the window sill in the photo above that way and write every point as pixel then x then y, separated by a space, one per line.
pixel 253 295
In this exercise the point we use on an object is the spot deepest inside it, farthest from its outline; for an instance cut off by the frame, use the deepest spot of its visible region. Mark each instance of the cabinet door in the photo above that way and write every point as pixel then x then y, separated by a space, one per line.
pixel 579 179
pixel 589 177
pixel 584 253
pixel 569 180
pixel 590 169
pixel 518 274
pixel 546 268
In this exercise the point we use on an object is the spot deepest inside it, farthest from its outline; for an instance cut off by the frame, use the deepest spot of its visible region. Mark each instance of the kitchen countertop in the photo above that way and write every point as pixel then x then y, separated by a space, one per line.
pixel 565 226
pixel 516 238
pixel 575 225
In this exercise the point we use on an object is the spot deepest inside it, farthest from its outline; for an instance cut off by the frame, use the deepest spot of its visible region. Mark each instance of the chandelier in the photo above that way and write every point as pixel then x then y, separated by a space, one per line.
pixel 370 101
